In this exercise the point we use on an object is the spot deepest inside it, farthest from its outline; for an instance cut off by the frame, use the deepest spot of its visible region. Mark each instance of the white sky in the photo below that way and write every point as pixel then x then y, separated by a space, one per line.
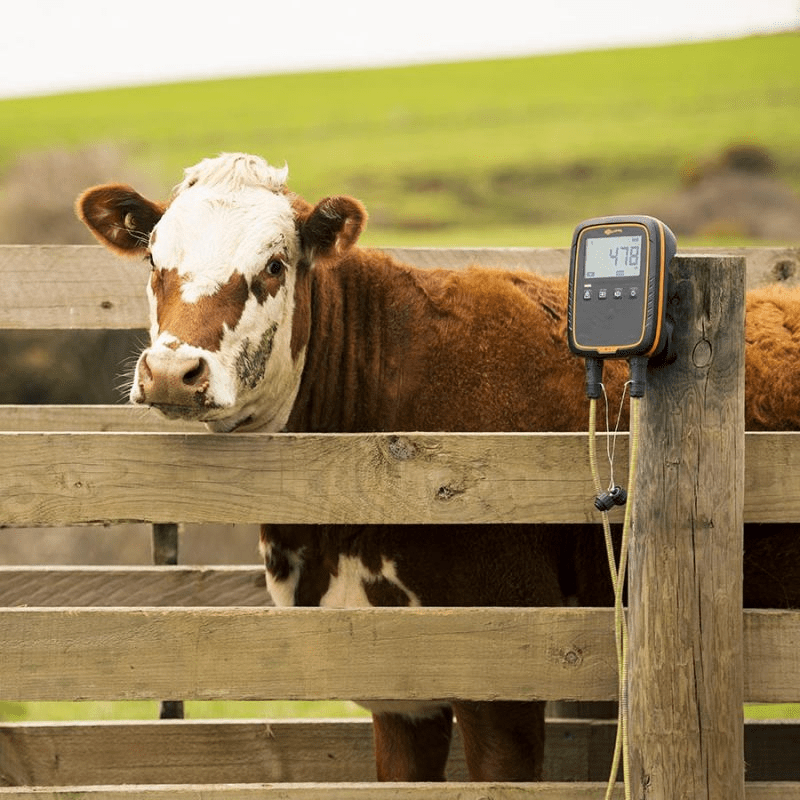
pixel 53 46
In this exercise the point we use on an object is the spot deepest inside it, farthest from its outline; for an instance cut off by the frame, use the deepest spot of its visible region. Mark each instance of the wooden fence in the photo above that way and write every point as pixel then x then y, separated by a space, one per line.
pixel 196 633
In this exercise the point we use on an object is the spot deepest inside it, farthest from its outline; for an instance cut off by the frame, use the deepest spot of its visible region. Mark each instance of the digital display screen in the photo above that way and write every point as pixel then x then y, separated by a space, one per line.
pixel 613 257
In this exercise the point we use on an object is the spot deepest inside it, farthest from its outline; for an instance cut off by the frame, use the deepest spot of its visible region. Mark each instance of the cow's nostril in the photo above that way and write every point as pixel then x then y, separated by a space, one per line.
pixel 145 373
pixel 196 375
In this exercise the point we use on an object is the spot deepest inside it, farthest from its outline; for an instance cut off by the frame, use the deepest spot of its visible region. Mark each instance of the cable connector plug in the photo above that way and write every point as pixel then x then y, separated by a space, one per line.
pixel 594 377
pixel 616 496
pixel 638 365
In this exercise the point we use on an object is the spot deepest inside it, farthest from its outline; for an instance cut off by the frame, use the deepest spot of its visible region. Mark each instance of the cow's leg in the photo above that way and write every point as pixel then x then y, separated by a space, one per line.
pixel 503 741
pixel 412 748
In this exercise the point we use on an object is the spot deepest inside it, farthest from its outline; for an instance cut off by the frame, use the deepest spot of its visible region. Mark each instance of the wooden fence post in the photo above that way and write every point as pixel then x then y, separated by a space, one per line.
pixel 686 679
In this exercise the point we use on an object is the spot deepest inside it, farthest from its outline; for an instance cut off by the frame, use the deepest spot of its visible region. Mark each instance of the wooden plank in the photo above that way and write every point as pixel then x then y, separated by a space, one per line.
pixel 91 418
pixel 686 676
pixel 250 751
pixel 133 586
pixel 266 751
pixel 95 289
pixel 765 265
pixel 322 751
pixel 64 478
pixel 772 656
pixel 320 654
pixel 70 286
pixel 73 478
pixel 155 752
pixel 545 260
pixel 302 653
pixel 772 790
pixel 332 791
pixel 772 477
pixel 362 791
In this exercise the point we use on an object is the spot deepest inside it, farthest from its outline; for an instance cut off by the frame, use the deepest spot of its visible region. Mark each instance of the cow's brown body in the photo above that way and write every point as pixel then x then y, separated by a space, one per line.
pixel 296 328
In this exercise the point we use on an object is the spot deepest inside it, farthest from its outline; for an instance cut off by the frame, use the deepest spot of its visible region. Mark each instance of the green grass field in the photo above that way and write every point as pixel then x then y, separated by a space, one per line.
pixel 66 711
pixel 507 152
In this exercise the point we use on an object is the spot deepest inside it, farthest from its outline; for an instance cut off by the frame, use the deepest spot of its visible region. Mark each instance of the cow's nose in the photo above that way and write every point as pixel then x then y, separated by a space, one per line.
pixel 169 378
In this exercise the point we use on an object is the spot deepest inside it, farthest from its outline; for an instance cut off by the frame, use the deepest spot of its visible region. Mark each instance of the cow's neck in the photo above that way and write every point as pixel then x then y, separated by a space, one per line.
pixel 355 372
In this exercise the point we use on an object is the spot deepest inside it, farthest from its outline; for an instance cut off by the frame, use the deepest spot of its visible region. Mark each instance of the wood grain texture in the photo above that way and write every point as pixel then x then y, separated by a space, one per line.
pixel 321 751
pixel 296 653
pixel 63 478
pixel 133 586
pixel 772 656
pixel 59 478
pixel 85 286
pixel 686 678
pixel 91 418
pixel 361 791
pixel 320 654
pixel 70 286
pixel 331 791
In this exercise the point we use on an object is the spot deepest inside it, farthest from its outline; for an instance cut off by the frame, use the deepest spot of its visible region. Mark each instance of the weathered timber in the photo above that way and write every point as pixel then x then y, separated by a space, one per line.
pixel 300 751
pixel 133 586
pixel 686 662
pixel 772 656
pixel 319 654
pixel 63 478
pixel 361 791
pixel 257 654
pixel 114 296
pixel 91 418
pixel 56 478
pixel 331 791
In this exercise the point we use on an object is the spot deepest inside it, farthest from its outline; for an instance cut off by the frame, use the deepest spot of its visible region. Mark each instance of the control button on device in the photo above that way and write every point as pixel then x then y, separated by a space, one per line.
pixel 602 294
pixel 587 294
pixel 617 294
pixel 633 293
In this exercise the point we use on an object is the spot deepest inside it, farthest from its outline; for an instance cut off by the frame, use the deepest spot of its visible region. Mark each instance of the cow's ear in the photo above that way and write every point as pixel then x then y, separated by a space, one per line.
pixel 119 217
pixel 331 227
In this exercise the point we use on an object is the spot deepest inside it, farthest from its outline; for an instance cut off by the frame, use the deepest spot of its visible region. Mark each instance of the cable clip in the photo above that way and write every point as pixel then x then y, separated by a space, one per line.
pixel 616 496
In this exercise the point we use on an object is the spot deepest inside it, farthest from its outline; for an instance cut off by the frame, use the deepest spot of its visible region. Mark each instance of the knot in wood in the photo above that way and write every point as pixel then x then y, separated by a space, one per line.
pixel 572 657
pixel 445 493
pixel 702 353
pixel 784 269
pixel 401 448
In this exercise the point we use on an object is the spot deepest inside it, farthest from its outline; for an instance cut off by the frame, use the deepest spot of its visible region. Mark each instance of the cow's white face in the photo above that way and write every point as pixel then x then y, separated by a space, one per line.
pixel 227 255
pixel 221 291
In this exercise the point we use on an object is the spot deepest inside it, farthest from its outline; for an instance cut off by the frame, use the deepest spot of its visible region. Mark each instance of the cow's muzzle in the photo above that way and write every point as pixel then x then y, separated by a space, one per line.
pixel 171 379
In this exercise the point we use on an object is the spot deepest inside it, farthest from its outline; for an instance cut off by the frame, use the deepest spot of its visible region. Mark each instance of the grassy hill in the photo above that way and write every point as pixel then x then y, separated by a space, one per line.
pixel 510 152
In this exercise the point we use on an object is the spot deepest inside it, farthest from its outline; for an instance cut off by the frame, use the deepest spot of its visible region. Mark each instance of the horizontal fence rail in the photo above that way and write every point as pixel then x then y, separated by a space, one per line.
pixel 261 751
pixel 96 289
pixel 363 791
pixel 319 654
pixel 133 586
pixel 49 478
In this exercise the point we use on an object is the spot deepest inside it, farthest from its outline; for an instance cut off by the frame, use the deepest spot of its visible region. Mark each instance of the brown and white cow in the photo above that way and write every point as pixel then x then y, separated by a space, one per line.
pixel 266 316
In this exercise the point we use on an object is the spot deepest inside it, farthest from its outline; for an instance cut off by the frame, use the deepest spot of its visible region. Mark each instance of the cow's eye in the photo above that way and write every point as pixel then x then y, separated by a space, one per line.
pixel 275 267
pixel 150 259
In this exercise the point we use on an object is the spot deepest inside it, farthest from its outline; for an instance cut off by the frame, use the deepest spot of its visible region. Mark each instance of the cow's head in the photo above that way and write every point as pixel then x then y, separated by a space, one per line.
pixel 231 257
